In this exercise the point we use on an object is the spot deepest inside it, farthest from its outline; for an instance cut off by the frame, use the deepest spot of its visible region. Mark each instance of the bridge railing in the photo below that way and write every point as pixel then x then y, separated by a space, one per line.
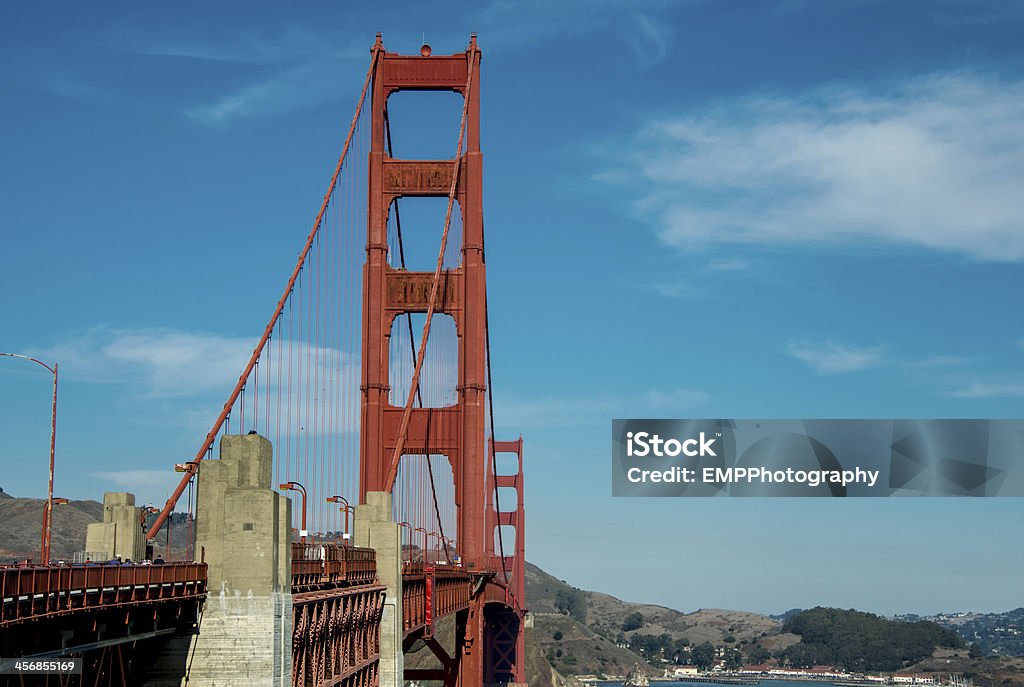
pixel 320 564
pixel 432 591
pixel 33 591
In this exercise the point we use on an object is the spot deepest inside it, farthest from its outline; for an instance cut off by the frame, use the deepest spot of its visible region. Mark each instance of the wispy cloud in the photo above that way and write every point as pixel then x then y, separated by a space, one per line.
pixel 676 399
pixel 247 46
pixel 181 379
pixel 299 68
pixel 567 411
pixel 160 362
pixel 936 161
pixel 649 39
pixel 976 11
pixel 985 390
pixel 149 486
pixel 259 73
pixel 678 289
pixel 283 92
pixel 834 358
pixel 936 361
pixel 728 265
pixel 515 22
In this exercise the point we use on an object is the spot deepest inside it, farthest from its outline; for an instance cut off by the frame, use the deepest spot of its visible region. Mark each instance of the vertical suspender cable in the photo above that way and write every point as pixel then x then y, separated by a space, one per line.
pixel 219 423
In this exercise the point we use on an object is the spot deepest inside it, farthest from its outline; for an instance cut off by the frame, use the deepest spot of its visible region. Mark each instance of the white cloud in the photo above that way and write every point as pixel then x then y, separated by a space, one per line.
pixel 728 265
pixel 833 358
pixel 933 361
pixel 300 68
pixel 648 38
pixel 247 46
pixel 283 92
pixel 676 399
pixel 149 486
pixel 984 390
pixel 937 161
pixel 515 22
pixel 170 363
pixel 552 411
pixel 158 362
pixel 678 289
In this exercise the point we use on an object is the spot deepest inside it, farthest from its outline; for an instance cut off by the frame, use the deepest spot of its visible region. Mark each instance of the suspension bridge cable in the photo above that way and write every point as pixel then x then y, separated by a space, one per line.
pixel 490 407
pixel 258 351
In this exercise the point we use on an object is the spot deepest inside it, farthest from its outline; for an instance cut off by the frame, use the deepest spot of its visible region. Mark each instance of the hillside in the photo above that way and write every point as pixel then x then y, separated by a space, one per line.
pixel 583 632
pixel 578 632
pixel 21 521
pixel 993 670
pixel 994 634
pixel 862 642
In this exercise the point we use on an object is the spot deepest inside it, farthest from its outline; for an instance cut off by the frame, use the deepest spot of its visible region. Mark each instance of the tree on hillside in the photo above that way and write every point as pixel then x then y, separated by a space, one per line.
pixel 572 602
pixel 633 621
pixel 758 655
pixel 680 654
pixel 651 646
pixel 862 641
pixel 703 655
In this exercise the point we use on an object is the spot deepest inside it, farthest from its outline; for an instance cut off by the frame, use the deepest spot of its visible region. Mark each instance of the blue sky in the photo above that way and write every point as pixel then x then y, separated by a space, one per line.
pixel 694 209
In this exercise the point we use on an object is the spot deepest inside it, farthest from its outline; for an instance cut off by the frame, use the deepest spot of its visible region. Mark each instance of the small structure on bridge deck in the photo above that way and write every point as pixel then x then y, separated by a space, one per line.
pixel 243 531
pixel 120 533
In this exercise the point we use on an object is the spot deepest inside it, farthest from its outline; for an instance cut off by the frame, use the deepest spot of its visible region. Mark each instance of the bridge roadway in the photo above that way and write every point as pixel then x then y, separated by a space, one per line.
pixel 108 613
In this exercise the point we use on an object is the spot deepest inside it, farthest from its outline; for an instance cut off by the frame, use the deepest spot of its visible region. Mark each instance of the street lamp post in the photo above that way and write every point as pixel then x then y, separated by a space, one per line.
pixel 437 539
pixel 44 547
pixel 345 507
pixel 295 486
pixel 424 553
pixel 401 540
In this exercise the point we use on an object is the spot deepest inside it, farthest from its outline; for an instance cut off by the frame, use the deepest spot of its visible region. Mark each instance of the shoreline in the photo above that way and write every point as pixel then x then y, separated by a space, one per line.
pixel 747 680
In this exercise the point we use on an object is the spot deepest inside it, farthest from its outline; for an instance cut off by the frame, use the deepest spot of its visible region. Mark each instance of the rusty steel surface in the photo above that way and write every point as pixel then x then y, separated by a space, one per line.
pixel 486 595
pixel 514 562
pixel 432 592
pixel 29 593
pixel 336 636
pixel 316 566
pixel 457 431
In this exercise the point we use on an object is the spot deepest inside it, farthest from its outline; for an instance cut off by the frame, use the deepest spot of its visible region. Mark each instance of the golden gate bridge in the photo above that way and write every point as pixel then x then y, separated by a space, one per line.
pixel 368 396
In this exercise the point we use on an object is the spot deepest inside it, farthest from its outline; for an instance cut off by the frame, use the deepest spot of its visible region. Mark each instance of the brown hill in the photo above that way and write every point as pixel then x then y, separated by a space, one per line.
pixel 21 521
pixel 1007 671
pixel 602 616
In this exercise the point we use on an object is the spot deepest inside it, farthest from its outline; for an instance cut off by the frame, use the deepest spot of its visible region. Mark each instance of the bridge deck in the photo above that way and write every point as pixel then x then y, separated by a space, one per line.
pixel 33 592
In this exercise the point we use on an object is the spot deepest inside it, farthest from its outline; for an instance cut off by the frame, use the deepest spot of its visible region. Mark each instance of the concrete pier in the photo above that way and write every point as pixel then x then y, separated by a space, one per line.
pixel 243 532
pixel 375 528
pixel 121 533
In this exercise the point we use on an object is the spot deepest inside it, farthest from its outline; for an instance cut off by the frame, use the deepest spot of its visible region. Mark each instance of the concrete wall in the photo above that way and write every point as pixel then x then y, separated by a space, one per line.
pixel 375 528
pixel 121 533
pixel 243 532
